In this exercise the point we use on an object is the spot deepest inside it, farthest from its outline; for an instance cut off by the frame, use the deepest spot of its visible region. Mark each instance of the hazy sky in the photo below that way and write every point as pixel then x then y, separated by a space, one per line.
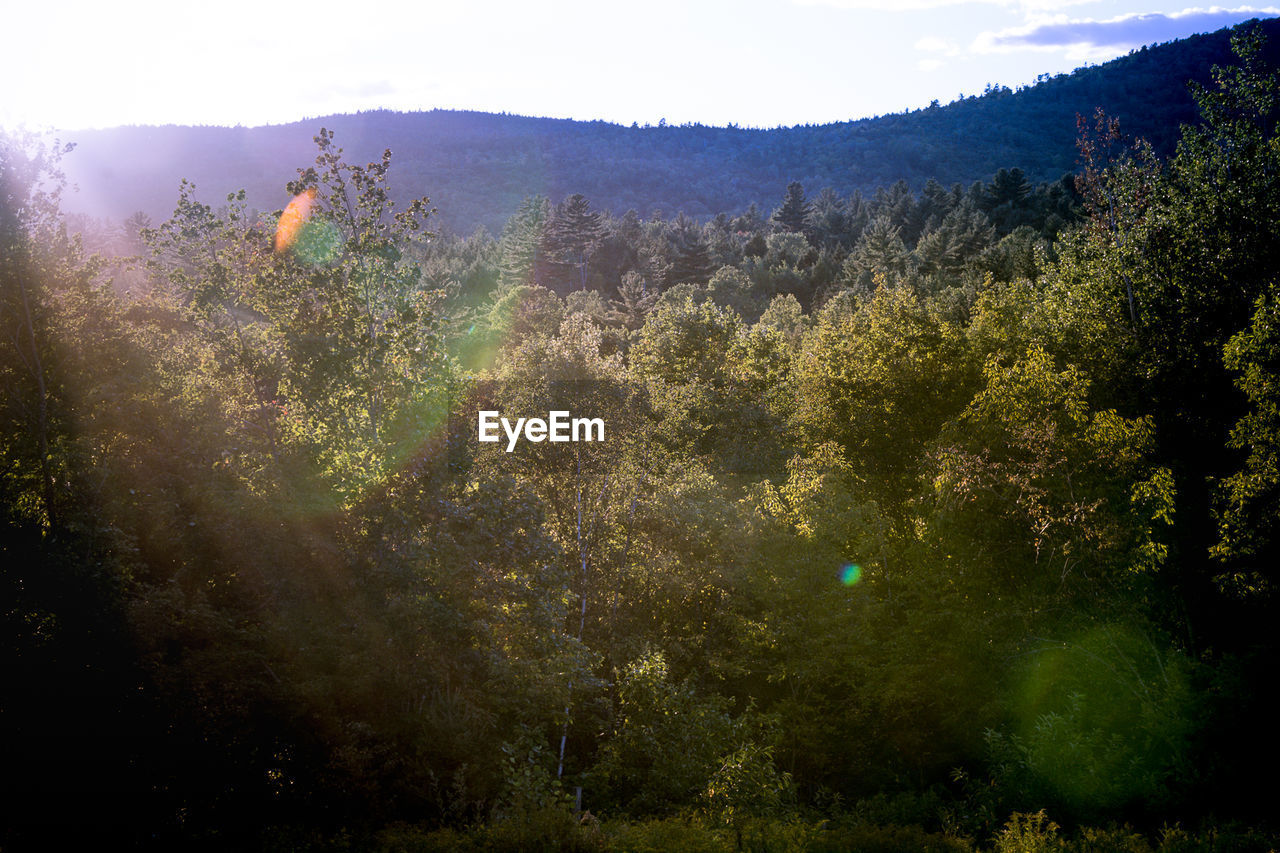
pixel 752 62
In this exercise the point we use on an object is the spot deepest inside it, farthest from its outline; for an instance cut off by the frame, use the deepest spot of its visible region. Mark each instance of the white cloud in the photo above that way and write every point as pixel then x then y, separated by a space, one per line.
pixel 934 44
pixel 1086 38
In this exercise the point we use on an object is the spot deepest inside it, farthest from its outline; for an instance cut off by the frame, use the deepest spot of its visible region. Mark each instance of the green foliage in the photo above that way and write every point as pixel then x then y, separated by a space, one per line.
pixel 523 255
pixel 658 836
pixel 569 240
pixel 881 255
pixel 544 830
pixel 668 741
pixel 963 234
pixel 880 382
pixel 1029 833
pixel 1248 502
pixel 1030 460
pixel 1105 721
pixel 747 783
pixel 853 835
pixel 784 315
pixel 635 301
pixel 322 352
pixel 863 578
pixel 686 343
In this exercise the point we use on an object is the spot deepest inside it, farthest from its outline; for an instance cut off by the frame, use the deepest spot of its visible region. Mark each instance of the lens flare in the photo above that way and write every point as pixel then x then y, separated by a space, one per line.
pixel 850 574
pixel 293 218
pixel 318 242
pixel 1105 716
pixel 312 239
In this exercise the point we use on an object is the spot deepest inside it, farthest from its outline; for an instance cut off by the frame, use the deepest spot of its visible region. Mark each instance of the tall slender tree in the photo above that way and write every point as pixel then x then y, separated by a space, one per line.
pixel 523 253
pixel 793 213
pixel 574 234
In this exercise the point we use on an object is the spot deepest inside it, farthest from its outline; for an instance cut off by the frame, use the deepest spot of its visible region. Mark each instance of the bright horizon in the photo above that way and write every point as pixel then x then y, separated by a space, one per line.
pixel 756 63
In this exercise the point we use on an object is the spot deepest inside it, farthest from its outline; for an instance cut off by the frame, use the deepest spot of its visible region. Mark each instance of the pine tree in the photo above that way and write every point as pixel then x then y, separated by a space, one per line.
pixel 898 204
pixel 522 238
pixel 573 236
pixel 635 300
pixel 1009 186
pixel 793 214
pixel 881 251
pixel 692 263
pixel 958 238
pixel 1005 199
pixel 654 267
pixel 827 219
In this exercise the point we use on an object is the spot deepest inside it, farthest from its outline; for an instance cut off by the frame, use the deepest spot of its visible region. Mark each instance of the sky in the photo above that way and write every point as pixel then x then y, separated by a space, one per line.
pixel 754 63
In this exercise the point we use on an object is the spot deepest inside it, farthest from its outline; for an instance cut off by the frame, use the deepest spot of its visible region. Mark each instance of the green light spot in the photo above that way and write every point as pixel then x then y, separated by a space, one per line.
pixel 318 242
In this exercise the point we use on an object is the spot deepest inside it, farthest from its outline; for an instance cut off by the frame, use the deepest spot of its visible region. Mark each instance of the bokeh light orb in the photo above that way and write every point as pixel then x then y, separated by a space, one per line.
pixel 318 242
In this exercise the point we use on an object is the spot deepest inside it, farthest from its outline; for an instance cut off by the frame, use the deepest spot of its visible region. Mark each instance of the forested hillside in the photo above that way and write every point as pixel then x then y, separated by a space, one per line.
pixel 926 517
pixel 477 167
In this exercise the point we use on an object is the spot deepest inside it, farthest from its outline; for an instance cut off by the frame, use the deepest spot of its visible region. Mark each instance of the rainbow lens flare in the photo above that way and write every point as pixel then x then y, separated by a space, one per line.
pixel 312 239
pixel 850 574
pixel 293 218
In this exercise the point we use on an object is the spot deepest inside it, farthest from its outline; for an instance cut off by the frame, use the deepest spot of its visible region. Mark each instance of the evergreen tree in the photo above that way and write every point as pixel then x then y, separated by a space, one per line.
pixel 1009 186
pixel 897 204
pixel 523 256
pixel 653 266
pixel 857 217
pixel 881 251
pixel 750 222
pixel 828 221
pixel 635 301
pixel 962 235
pixel 692 261
pixel 1005 199
pixel 724 246
pixel 935 203
pixel 793 214
pixel 572 238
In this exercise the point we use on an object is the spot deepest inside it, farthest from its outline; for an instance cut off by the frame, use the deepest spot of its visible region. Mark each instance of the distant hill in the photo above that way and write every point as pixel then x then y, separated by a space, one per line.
pixel 476 167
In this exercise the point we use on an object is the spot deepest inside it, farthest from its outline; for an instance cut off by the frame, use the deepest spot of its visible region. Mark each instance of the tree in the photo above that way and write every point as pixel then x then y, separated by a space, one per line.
pixel 585 490
pixel 785 266
pixel 1183 253
pixel 522 243
pixel 880 382
pixel 78 714
pixel 692 261
pixel 958 239
pixel 325 321
pixel 572 237
pixel 1248 502
pixel 794 212
pixel 880 252
pixel 1003 200
pixel 828 220
pixel 635 301
pixel 1046 488
pixel 36 254
pixel 898 204
pixel 668 740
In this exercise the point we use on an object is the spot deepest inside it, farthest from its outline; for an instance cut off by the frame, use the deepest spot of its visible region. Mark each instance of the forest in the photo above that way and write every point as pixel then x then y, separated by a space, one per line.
pixel 927 518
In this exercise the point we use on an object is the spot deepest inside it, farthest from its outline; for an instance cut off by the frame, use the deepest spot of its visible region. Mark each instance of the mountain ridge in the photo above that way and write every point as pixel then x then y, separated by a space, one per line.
pixel 476 166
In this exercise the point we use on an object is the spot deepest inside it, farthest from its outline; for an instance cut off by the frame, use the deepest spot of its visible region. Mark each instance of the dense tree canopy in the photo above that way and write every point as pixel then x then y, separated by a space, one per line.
pixel 932 519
